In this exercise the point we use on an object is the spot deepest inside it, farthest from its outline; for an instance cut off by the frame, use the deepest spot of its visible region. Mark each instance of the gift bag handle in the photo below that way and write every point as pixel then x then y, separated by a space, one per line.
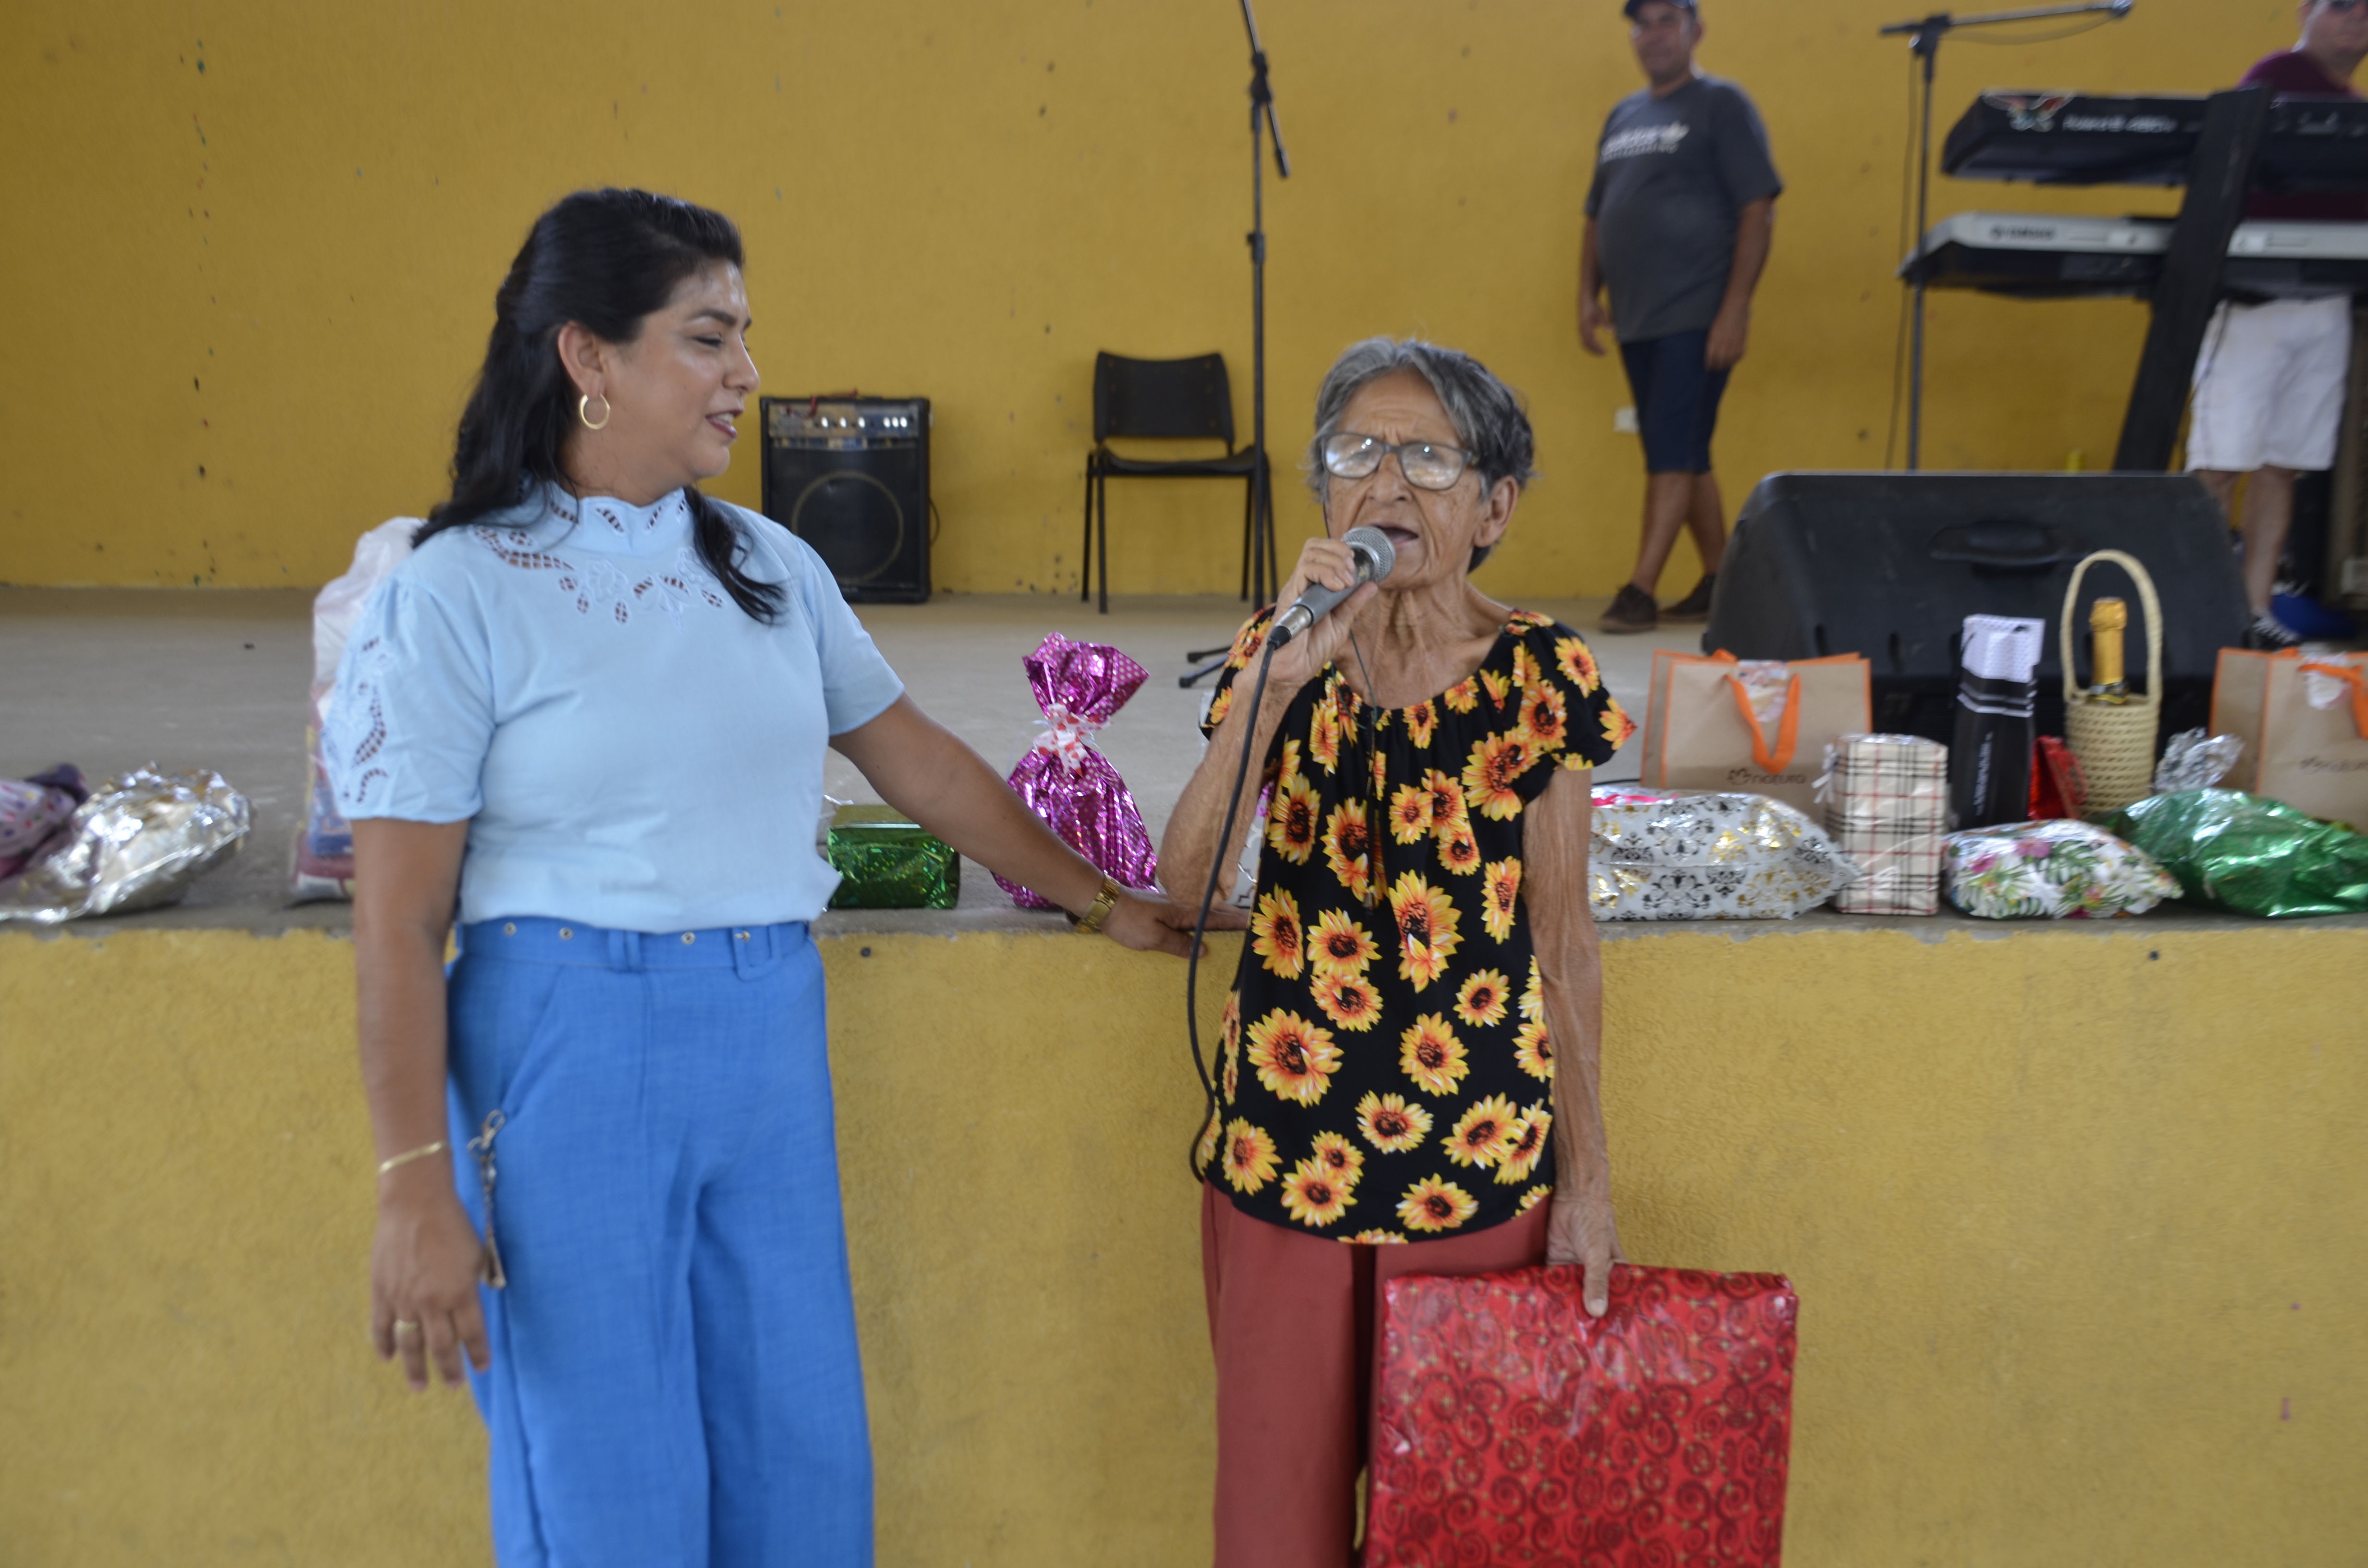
pixel 2130 564
pixel 1788 728
pixel 2350 677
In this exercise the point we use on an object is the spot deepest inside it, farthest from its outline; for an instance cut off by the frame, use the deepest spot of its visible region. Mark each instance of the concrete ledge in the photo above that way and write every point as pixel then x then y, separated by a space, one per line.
pixel 1005 918
pixel 2071 1223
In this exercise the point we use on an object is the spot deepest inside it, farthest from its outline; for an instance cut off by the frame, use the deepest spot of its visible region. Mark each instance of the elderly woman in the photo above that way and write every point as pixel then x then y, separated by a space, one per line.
pixel 590 711
pixel 1409 1051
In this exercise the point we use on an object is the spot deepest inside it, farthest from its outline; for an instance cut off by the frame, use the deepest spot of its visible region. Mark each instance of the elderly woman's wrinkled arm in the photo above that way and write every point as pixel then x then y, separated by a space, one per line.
pixel 1581 1229
pixel 1191 840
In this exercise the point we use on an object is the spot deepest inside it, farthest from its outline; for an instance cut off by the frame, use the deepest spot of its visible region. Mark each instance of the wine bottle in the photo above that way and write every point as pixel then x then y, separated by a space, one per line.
pixel 2108 619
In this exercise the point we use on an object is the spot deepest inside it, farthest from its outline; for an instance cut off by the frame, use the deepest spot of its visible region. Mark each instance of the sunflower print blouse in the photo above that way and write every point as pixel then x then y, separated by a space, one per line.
pixel 1385 1073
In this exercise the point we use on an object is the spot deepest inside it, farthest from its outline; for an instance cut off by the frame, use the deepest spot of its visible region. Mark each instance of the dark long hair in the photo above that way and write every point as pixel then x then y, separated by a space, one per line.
pixel 604 259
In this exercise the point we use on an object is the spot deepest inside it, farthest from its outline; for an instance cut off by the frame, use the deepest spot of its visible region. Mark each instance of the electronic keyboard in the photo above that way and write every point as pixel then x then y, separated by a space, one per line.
pixel 2042 256
pixel 2069 138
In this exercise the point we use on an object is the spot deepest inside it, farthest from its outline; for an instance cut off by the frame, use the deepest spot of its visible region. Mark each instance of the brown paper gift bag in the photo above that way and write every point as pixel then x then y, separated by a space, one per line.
pixel 2303 719
pixel 1700 730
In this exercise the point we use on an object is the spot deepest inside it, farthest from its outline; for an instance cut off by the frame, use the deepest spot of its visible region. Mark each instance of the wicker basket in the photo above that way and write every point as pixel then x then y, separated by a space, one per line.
pixel 2114 744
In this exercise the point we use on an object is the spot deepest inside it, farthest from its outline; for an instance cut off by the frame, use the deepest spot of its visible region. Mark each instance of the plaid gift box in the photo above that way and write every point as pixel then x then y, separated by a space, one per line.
pixel 1887 809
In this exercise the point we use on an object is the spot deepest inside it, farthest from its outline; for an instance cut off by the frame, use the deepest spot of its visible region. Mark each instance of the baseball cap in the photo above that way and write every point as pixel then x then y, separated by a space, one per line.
pixel 1633 7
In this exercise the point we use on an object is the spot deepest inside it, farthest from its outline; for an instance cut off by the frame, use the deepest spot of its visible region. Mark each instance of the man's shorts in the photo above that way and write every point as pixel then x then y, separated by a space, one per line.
pixel 2269 386
pixel 1677 400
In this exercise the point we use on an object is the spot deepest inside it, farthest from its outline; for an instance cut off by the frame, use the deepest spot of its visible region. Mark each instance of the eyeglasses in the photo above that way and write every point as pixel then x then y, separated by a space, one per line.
pixel 1426 464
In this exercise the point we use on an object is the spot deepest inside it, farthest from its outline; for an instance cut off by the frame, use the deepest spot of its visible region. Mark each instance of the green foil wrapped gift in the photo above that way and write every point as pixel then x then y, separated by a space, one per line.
pixel 2249 854
pixel 887 860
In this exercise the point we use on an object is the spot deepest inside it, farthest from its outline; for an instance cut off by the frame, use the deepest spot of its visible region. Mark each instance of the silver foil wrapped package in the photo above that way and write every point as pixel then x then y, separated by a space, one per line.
pixel 137 843
pixel 2194 760
pixel 1708 858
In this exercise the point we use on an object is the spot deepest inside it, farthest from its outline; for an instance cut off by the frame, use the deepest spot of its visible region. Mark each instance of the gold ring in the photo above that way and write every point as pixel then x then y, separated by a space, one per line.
pixel 403 1323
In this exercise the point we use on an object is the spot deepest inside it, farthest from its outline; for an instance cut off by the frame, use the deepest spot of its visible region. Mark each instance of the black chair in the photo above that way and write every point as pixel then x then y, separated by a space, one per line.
pixel 1170 400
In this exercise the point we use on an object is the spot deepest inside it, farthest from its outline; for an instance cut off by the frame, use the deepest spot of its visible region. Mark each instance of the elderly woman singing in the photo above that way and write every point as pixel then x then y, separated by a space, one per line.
pixel 1409 1051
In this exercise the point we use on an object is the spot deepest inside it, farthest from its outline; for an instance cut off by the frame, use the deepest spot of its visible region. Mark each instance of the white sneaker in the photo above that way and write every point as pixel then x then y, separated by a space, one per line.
pixel 2271 633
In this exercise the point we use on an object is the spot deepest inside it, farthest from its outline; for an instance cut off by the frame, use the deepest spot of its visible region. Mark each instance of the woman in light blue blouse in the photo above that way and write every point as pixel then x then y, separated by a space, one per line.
pixel 551 725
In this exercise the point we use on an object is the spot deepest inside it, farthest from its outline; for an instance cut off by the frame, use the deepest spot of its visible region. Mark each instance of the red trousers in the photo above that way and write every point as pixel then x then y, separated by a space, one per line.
pixel 1292 1321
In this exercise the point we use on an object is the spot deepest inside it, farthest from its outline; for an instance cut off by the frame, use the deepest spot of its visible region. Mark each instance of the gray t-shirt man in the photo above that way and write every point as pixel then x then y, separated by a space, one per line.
pixel 1670 174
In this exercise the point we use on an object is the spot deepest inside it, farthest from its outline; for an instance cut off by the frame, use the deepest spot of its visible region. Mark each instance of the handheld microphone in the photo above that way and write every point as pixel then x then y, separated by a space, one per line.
pixel 1374 558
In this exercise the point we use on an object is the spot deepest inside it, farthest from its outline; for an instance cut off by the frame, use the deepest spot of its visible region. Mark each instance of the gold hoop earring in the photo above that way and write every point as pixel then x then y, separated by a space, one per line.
pixel 584 411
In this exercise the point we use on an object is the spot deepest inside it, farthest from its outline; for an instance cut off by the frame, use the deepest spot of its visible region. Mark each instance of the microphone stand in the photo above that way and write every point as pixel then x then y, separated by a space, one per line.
pixel 1262 124
pixel 1924 43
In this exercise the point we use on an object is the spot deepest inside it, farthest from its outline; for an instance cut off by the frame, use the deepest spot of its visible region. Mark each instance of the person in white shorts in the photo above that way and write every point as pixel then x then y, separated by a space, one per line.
pixel 2270 383
pixel 2268 402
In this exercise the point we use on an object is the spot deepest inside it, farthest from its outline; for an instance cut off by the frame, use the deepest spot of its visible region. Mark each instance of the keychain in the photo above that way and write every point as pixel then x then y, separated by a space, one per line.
pixel 481 1145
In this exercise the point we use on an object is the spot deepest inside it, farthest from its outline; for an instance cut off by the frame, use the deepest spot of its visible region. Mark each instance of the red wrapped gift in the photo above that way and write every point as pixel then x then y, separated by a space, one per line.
pixel 1511 1427
pixel 2059 787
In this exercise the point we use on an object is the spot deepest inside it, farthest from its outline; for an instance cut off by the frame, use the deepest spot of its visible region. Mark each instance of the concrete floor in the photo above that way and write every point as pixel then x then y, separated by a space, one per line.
pixel 110 679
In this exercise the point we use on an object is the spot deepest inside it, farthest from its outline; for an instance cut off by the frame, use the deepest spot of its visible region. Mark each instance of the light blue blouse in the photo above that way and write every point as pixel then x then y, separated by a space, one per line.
pixel 629 748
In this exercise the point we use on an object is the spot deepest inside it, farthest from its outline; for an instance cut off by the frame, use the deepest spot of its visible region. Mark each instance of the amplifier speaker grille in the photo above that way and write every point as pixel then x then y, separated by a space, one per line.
pixel 850 476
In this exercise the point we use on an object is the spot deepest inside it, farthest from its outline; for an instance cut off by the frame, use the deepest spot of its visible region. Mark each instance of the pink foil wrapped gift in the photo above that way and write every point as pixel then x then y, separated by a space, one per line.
pixel 1068 783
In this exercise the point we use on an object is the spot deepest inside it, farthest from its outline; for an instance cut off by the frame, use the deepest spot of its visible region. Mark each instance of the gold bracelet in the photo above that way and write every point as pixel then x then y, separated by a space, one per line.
pixel 410 1154
pixel 1104 901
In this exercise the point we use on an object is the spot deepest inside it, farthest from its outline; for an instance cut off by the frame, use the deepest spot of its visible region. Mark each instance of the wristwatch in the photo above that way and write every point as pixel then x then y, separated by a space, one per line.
pixel 1104 901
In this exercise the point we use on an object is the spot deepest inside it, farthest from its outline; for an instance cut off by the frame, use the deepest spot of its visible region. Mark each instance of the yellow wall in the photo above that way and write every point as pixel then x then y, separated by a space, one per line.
pixel 2075 1235
pixel 252 245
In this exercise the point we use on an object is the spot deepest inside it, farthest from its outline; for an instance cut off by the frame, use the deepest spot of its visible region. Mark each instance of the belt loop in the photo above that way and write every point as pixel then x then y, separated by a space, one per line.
pixel 625 950
pixel 759 953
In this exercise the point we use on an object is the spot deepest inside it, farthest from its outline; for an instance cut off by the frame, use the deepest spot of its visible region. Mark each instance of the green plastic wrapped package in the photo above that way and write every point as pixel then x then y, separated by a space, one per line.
pixel 886 860
pixel 2251 854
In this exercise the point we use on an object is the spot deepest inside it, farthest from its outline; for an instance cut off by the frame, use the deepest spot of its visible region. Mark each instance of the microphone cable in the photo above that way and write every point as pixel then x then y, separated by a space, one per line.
pixel 1225 847
pixel 1379 558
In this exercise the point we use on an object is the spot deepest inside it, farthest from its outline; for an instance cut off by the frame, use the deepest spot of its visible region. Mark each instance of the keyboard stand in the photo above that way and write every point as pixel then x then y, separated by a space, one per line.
pixel 2219 177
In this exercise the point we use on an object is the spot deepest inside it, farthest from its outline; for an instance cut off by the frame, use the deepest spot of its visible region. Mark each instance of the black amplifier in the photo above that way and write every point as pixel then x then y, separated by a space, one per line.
pixel 1888 566
pixel 850 476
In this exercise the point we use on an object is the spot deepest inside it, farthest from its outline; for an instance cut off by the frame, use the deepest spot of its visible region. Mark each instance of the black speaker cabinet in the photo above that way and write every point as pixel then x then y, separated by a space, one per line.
pixel 1888 566
pixel 850 476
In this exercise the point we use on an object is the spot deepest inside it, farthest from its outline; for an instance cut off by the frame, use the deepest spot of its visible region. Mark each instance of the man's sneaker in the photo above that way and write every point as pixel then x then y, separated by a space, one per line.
pixel 1694 607
pixel 2271 633
pixel 1632 610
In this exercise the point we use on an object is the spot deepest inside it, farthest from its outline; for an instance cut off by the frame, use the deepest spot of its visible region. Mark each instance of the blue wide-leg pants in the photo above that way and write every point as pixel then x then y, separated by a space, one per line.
pixel 675 1375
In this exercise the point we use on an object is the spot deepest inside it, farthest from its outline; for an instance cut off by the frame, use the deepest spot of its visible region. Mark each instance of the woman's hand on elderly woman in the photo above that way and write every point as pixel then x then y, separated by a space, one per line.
pixel 1150 922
